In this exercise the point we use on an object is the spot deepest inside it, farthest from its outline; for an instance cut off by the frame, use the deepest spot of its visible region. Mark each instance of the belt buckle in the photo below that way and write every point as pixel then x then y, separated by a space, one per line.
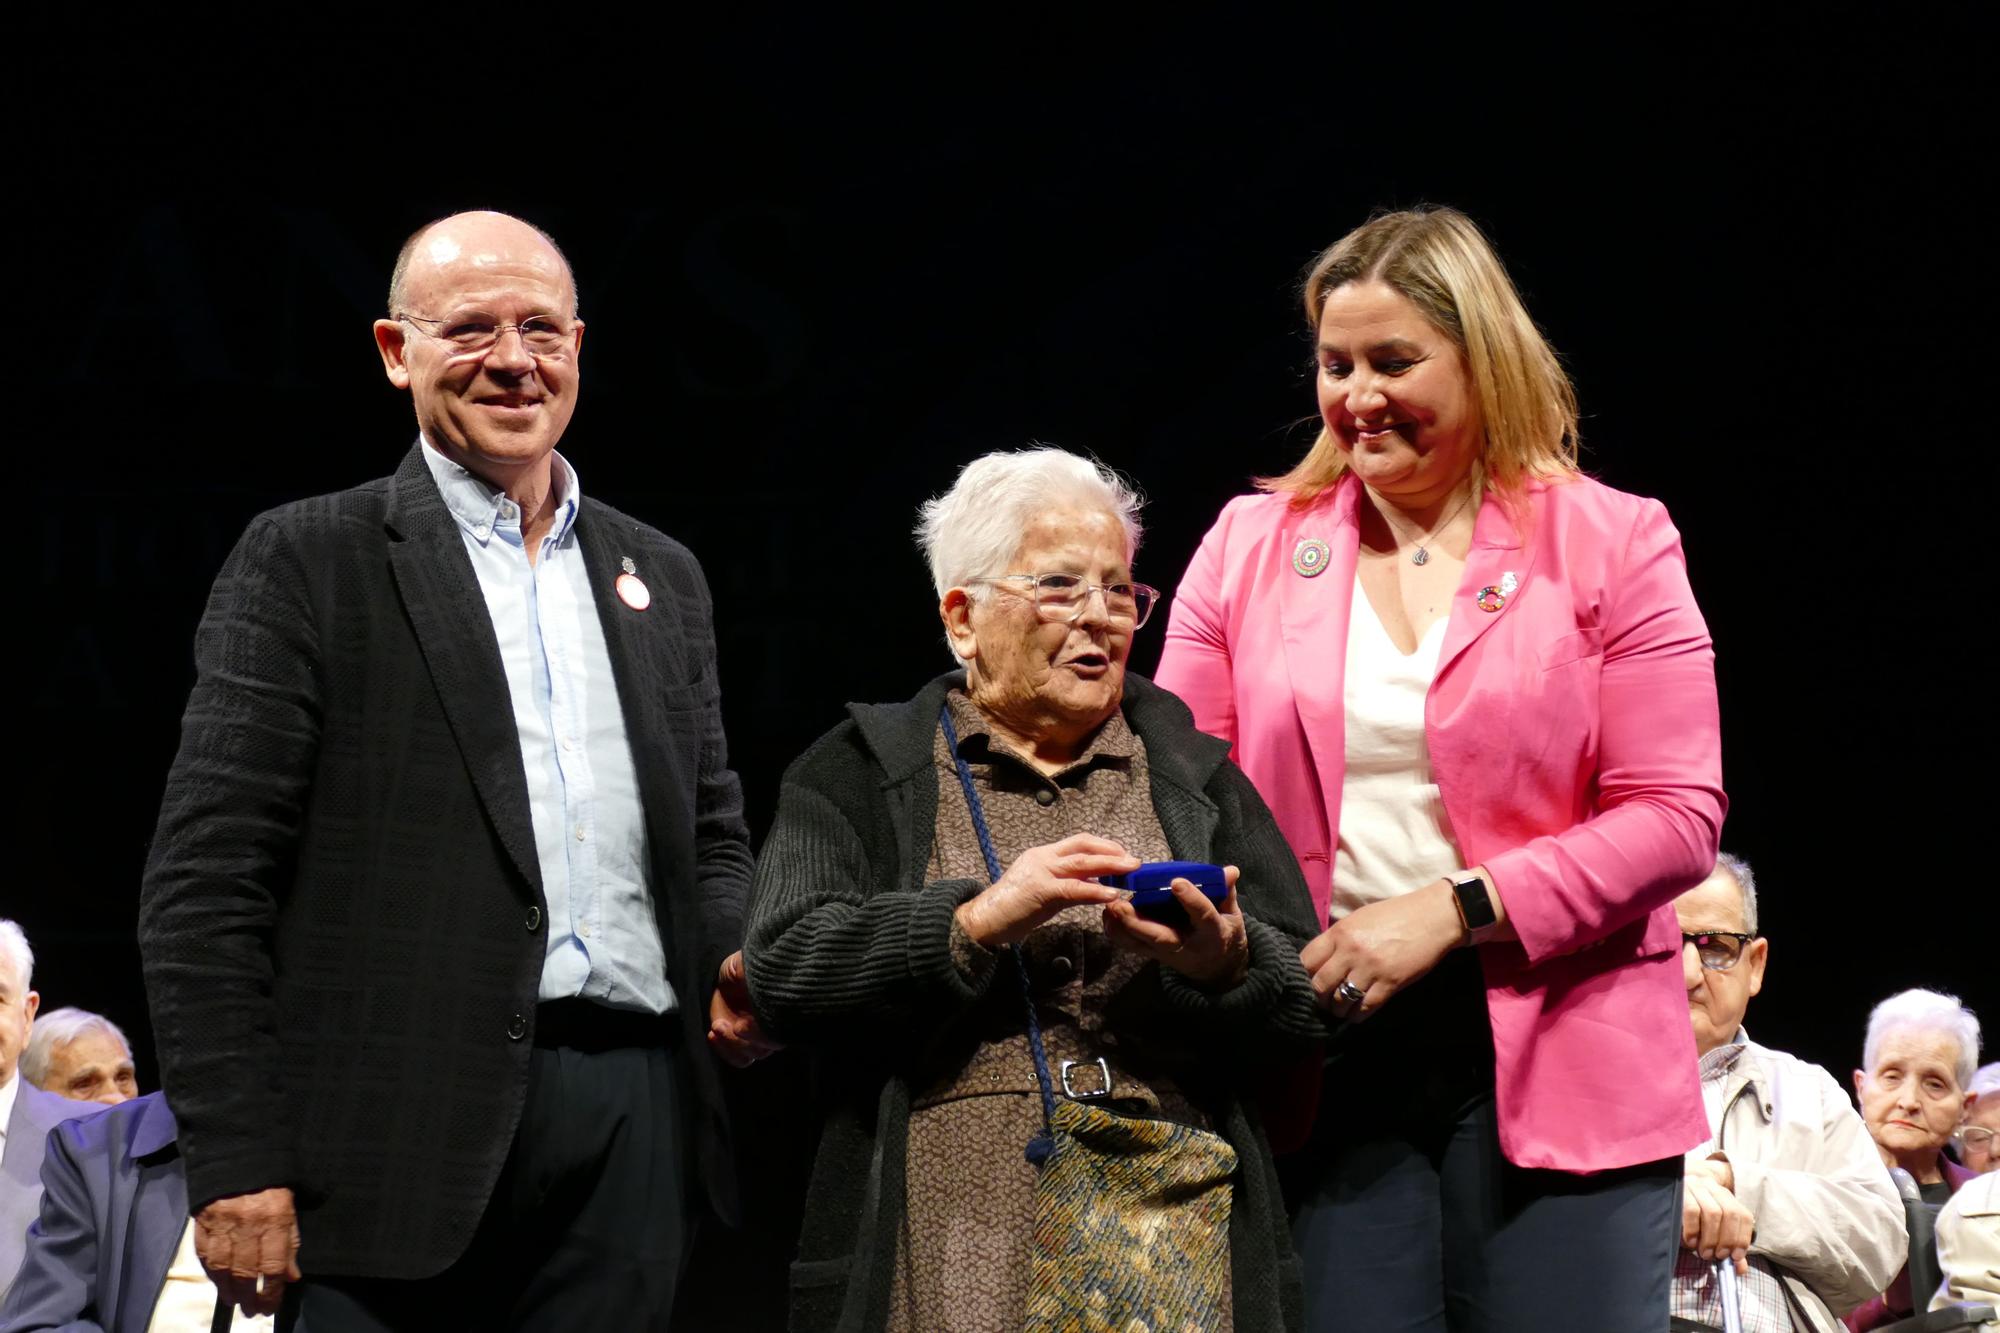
pixel 1103 1078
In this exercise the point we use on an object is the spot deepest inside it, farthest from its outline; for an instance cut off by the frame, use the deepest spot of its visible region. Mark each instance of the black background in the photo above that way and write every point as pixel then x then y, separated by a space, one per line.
pixel 824 262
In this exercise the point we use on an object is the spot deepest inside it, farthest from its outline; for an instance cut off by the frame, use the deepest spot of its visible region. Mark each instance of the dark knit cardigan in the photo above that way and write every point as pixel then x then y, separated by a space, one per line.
pixel 848 952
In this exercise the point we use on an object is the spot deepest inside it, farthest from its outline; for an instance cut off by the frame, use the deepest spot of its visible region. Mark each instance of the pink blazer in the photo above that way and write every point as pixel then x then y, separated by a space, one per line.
pixel 1576 744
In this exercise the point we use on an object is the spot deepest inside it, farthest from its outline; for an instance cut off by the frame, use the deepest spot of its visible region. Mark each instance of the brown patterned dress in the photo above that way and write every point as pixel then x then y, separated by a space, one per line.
pixel 962 1255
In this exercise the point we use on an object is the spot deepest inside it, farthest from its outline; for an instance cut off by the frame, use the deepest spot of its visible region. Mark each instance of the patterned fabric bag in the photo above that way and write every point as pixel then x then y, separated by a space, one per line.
pixel 1131 1227
pixel 1131 1214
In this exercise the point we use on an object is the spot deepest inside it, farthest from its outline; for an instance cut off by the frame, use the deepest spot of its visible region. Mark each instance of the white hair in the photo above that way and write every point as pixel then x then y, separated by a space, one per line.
pixel 972 530
pixel 1986 1081
pixel 1739 870
pixel 1923 1010
pixel 20 958
pixel 57 1030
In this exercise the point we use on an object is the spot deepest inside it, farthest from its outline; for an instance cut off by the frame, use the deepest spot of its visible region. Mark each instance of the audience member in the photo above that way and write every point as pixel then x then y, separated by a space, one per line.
pixel 1789 1185
pixel 1968 1242
pixel 1920 1053
pixel 114 1246
pixel 82 1056
pixel 26 1113
pixel 1976 1146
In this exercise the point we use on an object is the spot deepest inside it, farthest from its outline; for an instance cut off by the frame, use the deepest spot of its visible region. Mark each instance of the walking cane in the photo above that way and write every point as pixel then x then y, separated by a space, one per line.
pixel 1725 1283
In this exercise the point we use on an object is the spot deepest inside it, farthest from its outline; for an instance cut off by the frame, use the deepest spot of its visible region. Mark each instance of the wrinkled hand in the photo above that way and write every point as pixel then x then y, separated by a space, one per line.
pixel 249 1243
pixel 1383 947
pixel 1042 882
pixel 1714 1222
pixel 733 1030
pixel 1213 950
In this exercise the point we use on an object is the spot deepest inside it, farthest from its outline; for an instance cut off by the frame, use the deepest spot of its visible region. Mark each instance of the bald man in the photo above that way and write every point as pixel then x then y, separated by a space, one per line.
pixel 441 919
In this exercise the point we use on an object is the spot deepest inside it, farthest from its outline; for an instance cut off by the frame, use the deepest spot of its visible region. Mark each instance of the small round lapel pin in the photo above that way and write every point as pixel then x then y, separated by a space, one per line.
pixel 631 589
pixel 1494 595
pixel 1310 558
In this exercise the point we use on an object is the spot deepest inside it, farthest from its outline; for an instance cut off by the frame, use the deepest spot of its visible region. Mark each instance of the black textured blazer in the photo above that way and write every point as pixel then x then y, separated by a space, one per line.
pixel 342 921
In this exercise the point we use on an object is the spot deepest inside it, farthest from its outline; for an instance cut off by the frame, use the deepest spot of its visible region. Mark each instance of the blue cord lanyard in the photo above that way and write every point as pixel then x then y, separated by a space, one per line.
pixel 1044 1143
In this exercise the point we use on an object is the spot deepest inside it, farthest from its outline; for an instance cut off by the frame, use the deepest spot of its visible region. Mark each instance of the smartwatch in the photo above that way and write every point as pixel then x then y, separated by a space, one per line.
pixel 1475 905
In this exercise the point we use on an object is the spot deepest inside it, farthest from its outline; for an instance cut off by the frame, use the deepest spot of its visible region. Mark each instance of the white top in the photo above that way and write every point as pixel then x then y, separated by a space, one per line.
pixel 8 1091
pixel 1394 836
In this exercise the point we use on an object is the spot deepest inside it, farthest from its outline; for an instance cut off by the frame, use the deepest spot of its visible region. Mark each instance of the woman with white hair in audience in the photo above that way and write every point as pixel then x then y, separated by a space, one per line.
pixel 940 994
pixel 1917 1062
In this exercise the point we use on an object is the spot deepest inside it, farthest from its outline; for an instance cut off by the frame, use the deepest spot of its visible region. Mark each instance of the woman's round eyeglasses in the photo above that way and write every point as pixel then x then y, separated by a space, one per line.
pixel 1062 597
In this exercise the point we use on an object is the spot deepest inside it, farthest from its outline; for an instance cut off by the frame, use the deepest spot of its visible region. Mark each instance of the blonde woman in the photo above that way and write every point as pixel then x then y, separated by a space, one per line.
pixel 1475 690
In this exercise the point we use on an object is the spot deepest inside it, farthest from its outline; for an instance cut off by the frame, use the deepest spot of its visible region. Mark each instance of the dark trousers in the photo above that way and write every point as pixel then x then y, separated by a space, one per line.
pixel 588 1225
pixel 1407 1217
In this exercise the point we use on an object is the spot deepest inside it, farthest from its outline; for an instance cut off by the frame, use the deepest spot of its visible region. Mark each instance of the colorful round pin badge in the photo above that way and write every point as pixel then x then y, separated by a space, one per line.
pixel 633 592
pixel 1310 557
pixel 1491 598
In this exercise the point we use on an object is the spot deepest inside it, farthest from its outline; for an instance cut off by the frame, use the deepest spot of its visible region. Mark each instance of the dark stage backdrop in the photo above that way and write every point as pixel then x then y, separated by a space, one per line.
pixel 821 270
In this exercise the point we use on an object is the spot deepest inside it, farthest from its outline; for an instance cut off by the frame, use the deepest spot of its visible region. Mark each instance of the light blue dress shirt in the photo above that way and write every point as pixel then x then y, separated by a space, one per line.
pixel 583 790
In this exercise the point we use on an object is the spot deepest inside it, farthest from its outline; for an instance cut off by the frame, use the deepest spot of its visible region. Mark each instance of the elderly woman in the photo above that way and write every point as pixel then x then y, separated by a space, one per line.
pixel 1476 691
pixel 931 985
pixel 1920 1053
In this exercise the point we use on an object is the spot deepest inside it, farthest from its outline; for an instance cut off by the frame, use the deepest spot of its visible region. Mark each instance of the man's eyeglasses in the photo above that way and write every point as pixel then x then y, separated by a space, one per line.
pixel 1718 949
pixel 1062 597
pixel 545 337
pixel 1976 1136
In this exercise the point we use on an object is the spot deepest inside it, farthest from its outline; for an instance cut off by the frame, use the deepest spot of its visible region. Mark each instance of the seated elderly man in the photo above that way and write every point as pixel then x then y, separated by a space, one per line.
pixel 1789 1187
pixel 1976 1146
pixel 1920 1053
pixel 27 1114
pixel 82 1056
pixel 113 1248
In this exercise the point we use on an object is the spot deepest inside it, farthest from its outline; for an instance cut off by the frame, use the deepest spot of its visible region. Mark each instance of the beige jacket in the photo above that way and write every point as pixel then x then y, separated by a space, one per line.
pixel 1968 1242
pixel 1829 1222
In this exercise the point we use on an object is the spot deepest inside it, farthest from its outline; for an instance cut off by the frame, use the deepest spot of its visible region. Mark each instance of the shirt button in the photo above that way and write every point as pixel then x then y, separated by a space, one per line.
pixel 534 919
pixel 1061 968
pixel 569 742
pixel 579 833
pixel 1045 797
pixel 482 532
pixel 517 1028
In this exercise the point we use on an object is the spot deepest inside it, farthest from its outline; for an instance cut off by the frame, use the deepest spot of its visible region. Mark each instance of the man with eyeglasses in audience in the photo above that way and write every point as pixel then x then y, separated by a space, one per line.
pixel 1788 1190
pixel 1976 1147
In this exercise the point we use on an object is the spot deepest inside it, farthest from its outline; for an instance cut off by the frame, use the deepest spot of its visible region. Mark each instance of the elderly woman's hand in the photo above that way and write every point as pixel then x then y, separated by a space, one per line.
pixel 1042 882
pixel 1212 950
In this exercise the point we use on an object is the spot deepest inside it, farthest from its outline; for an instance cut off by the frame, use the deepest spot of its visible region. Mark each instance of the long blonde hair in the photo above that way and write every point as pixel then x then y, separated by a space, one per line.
pixel 1440 261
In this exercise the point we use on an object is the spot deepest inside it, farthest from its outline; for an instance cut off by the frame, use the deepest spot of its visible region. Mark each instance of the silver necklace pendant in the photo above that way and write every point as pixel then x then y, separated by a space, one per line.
pixel 1421 557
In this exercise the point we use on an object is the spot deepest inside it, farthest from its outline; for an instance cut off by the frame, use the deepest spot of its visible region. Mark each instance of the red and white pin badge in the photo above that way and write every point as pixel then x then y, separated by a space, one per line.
pixel 631 589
